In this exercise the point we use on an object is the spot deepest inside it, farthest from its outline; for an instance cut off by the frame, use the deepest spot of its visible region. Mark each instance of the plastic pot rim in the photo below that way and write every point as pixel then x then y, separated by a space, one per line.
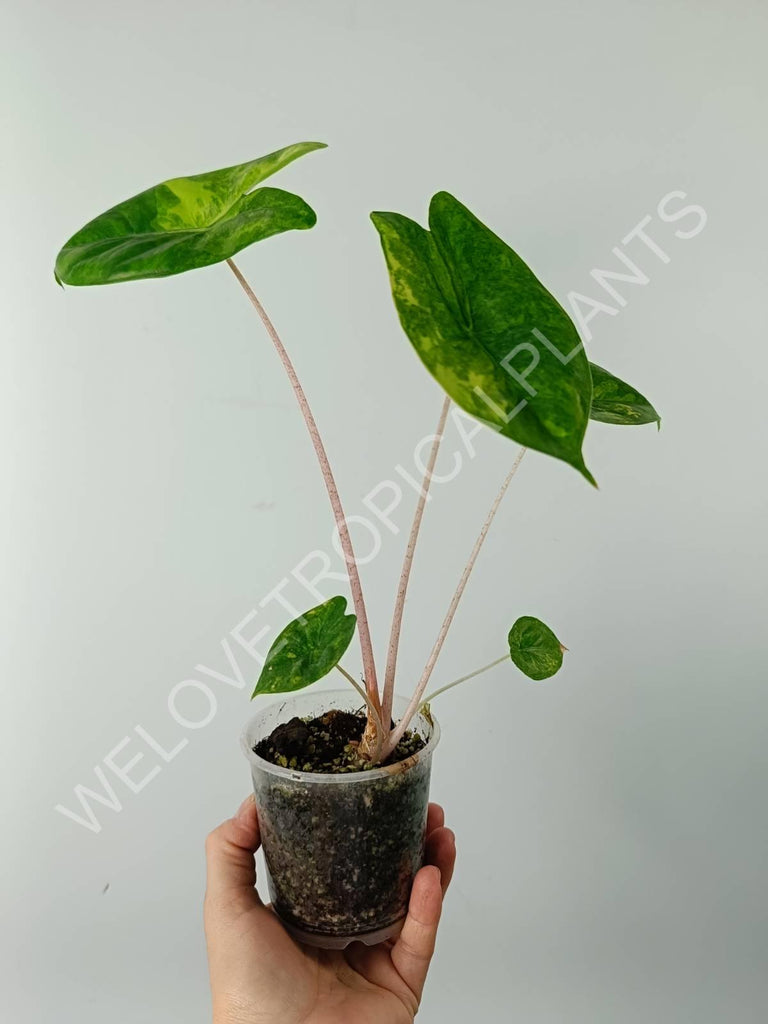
pixel 431 733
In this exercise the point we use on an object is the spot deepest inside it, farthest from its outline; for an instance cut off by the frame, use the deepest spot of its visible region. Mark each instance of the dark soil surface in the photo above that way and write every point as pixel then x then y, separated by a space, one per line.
pixel 328 744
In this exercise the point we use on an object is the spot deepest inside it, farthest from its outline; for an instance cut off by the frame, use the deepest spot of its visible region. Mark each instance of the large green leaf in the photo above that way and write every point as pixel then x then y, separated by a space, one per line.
pixel 308 648
pixel 487 329
pixel 614 401
pixel 534 648
pixel 185 223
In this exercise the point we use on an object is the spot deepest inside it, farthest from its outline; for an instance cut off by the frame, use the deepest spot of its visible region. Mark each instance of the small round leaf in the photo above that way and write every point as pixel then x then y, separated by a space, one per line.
pixel 534 648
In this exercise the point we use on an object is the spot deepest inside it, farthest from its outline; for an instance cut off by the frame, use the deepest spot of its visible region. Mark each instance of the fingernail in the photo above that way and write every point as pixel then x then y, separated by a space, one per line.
pixel 245 807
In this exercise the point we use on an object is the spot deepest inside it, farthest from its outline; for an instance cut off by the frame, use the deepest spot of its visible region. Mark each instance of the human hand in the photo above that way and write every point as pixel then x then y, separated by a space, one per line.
pixel 261 975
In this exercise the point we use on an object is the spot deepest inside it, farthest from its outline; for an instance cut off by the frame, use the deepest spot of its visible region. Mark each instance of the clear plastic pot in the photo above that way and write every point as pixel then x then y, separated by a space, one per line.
pixel 341 850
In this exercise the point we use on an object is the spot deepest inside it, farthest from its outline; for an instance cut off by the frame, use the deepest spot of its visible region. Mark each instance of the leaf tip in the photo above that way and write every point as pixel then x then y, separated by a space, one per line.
pixel 582 468
pixel 311 218
pixel 306 147
pixel 442 197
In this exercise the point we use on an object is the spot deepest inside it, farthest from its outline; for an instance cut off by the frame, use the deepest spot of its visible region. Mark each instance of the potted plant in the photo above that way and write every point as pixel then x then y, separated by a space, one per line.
pixel 341 778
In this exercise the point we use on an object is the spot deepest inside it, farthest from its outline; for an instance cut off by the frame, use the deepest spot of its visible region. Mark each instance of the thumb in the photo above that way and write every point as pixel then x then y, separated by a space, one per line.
pixel 229 852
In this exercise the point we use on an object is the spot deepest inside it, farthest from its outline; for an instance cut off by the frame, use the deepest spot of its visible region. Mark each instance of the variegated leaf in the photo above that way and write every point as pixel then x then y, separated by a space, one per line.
pixel 185 223
pixel 614 401
pixel 487 329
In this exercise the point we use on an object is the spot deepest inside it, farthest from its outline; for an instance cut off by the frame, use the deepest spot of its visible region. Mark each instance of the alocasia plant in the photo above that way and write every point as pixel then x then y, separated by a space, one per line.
pixel 495 339
pixel 506 351
pixel 190 222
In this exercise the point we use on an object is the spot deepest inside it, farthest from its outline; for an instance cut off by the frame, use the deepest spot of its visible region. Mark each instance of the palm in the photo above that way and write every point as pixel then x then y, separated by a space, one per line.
pixel 297 983
pixel 259 973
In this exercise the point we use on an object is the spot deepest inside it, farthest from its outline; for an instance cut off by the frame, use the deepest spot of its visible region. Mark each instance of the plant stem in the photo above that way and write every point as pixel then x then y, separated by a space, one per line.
pixel 371 709
pixel 397 732
pixel 366 647
pixel 463 679
pixel 397 618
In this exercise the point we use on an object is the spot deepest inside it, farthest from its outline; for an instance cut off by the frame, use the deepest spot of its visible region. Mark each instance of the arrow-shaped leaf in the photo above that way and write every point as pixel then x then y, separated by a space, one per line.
pixel 487 329
pixel 534 648
pixel 185 223
pixel 308 648
pixel 614 401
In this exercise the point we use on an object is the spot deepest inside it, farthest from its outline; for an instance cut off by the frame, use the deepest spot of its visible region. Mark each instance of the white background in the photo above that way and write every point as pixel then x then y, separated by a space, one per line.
pixel 158 484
